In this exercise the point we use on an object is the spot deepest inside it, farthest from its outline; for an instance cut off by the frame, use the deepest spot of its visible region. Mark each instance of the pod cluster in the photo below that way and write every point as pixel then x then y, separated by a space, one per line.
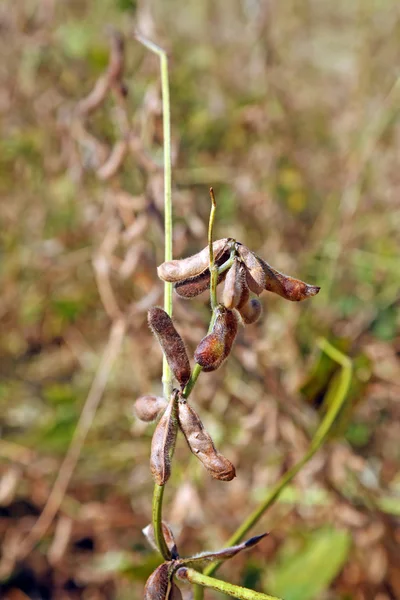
pixel 248 274
pixel 176 415
pixel 161 585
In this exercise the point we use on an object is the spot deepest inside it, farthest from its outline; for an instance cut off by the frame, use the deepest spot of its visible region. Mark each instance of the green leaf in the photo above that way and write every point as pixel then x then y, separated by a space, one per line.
pixel 304 573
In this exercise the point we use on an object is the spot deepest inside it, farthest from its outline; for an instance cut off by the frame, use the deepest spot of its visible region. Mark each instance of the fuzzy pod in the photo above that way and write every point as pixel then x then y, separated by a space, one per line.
pixel 148 408
pixel 163 444
pixel 286 286
pixel 160 585
pixel 251 311
pixel 169 538
pixel 215 347
pixel 255 276
pixel 190 288
pixel 171 343
pixel 201 444
pixel 185 268
pixel 235 287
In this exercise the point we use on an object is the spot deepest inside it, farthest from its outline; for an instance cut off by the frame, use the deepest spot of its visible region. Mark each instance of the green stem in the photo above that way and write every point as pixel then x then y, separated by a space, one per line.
pixel 236 591
pixel 157 521
pixel 317 441
pixel 167 373
pixel 213 267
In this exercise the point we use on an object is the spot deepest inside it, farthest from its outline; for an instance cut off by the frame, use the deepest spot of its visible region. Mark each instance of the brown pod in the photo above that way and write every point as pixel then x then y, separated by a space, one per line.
pixel 215 347
pixel 201 444
pixel 148 408
pixel 285 286
pixel 185 268
pixel 158 584
pixel 251 311
pixel 190 288
pixel 163 444
pixel 235 285
pixel 171 342
pixel 255 276
pixel 148 532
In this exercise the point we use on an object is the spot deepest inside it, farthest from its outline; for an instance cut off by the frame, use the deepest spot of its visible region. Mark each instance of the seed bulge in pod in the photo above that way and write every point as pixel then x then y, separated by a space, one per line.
pixel 193 286
pixel 251 311
pixel 201 444
pixel 177 270
pixel 215 347
pixel 285 286
pixel 255 275
pixel 158 584
pixel 163 444
pixel 235 285
pixel 148 408
pixel 171 343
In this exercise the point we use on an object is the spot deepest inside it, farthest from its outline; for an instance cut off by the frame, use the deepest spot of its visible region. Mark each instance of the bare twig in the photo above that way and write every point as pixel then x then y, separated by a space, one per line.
pixel 67 468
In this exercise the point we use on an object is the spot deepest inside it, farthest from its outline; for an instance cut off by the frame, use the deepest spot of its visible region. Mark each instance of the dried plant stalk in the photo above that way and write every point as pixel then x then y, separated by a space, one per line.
pixel 201 444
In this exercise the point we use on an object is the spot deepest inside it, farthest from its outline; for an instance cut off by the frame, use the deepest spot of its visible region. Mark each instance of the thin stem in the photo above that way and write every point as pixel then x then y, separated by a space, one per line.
pixel 236 591
pixel 157 521
pixel 213 266
pixel 317 441
pixel 167 373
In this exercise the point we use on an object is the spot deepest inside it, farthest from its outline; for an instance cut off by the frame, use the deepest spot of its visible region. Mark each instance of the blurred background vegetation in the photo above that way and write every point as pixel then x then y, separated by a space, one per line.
pixel 290 110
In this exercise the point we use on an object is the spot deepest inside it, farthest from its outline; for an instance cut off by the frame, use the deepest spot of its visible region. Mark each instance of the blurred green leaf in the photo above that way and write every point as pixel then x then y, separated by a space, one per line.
pixel 303 574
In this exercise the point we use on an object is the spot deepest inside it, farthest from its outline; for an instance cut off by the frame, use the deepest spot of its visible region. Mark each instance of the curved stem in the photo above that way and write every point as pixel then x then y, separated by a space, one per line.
pixel 235 591
pixel 167 373
pixel 213 267
pixel 319 438
pixel 157 521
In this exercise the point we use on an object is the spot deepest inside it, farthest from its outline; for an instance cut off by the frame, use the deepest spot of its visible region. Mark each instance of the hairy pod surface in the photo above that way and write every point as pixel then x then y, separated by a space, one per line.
pixel 285 286
pixel 255 276
pixel 171 343
pixel 215 347
pixel 185 268
pixel 169 538
pixel 163 444
pixel 251 311
pixel 160 585
pixel 148 408
pixel 201 444
pixel 235 287
pixel 193 286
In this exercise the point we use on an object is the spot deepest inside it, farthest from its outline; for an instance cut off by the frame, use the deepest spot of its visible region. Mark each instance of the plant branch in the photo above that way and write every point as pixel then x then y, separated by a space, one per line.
pixel 236 591
pixel 213 267
pixel 67 468
pixel 167 373
pixel 316 443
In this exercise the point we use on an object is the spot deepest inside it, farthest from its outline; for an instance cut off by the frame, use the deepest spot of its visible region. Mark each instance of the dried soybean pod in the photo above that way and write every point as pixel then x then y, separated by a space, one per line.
pixel 235 285
pixel 148 408
pixel 193 286
pixel 201 444
pixel 200 560
pixel 158 584
pixel 255 275
pixel 185 268
pixel 251 311
pixel 214 348
pixel 148 532
pixel 285 286
pixel 163 444
pixel 171 342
